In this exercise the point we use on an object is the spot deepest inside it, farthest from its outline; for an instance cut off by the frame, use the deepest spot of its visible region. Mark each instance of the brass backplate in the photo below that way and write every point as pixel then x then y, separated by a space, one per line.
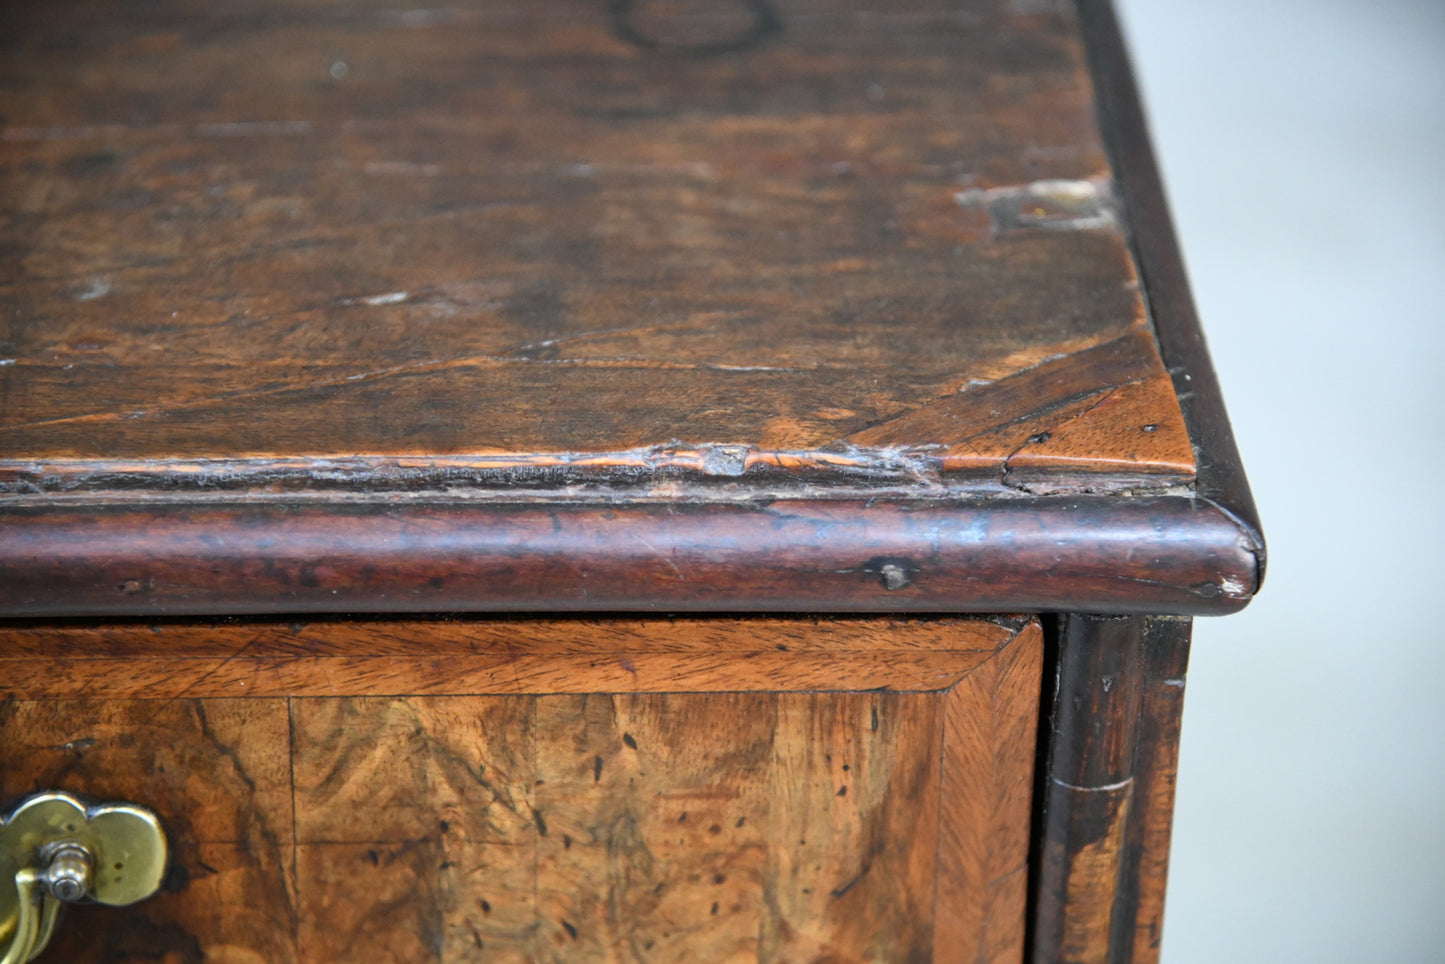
pixel 126 843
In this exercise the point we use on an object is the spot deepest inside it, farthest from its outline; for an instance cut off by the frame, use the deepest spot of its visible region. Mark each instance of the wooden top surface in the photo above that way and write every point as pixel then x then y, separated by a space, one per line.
pixel 246 240
pixel 603 305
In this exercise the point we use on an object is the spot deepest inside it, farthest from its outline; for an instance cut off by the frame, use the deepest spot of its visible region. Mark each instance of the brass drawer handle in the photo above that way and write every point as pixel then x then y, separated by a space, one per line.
pixel 58 850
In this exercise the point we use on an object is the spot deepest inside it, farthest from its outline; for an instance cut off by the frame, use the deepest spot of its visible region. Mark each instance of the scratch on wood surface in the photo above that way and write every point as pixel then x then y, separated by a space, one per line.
pixel 1043 436
pixel 282 128
pixel 77 132
pixel 664 556
pixel 532 347
pixel 97 288
pixel 970 411
pixel 229 253
pixel 1100 788
pixel 1051 205
pixel 1006 877
pixel 234 655
pixel 390 298
pixel 401 168
pixel 430 367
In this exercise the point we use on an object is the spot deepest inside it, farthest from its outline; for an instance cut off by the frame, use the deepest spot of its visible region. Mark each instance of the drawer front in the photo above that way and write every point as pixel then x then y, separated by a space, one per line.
pixel 770 790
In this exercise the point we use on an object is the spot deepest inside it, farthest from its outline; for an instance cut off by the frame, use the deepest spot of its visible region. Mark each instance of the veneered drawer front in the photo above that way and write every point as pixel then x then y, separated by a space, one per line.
pixel 729 790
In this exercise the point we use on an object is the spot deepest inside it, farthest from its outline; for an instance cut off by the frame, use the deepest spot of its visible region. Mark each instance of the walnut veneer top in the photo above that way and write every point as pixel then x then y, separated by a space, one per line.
pixel 780 305
pixel 240 239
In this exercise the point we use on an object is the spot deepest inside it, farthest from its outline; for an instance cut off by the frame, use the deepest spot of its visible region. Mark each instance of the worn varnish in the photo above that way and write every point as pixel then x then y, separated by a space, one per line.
pixel 717 307
pixel 507 236
pixel 457 657
pixel 860 803
pixel 1107 792
pixel 1165 661
pixel 1162 555
pixel 580 306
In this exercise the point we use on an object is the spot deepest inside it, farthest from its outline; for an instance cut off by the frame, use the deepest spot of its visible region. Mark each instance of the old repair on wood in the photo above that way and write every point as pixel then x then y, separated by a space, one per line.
pixel 577 304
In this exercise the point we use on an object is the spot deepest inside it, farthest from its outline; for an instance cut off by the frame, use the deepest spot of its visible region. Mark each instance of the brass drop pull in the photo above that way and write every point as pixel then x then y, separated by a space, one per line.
pixel 59 851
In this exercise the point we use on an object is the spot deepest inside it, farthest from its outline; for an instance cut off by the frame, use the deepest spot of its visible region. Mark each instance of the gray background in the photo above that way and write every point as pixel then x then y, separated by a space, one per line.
pixel 1303 144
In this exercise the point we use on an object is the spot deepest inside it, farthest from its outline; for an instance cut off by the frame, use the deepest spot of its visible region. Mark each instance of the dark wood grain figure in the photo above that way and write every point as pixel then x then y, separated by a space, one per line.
pixel 1107 791
pixel 515 255
pixel 607 307
pixel 492 207
pixel 863 806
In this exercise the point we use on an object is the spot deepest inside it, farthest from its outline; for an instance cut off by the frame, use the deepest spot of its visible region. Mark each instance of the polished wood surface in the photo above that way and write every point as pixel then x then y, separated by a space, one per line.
pixel 864 809
pixel 1220 477
pixel 507 307
pixel 1107 790
pixel 1174 555
pixel 513 238
pixel 1165 664
pixel 607 306
pixel 459 656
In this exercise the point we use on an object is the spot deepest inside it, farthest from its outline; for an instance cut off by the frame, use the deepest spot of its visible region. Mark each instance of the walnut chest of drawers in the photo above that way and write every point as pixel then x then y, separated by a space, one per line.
pixel 601 480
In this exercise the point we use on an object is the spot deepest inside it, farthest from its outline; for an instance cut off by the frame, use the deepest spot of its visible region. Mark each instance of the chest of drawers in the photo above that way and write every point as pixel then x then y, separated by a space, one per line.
pixel 581 481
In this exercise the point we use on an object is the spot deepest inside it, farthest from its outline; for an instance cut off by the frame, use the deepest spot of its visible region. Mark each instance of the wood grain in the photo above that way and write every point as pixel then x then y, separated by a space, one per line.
pixel 1089 790
pixel 499 240
pixel 1109 790
pixel 510 308
pixel 1166 658
pixel 1171 554
pixel 430 796
pixel 670 821
pixel 660 802
pixel 218 774
pixel 463 656
pixel 600 306
pixel 1220 476
pixel 990 721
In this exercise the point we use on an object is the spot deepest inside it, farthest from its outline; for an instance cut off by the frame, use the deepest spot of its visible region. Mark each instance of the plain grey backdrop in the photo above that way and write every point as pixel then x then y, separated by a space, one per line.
pixel 1303 145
